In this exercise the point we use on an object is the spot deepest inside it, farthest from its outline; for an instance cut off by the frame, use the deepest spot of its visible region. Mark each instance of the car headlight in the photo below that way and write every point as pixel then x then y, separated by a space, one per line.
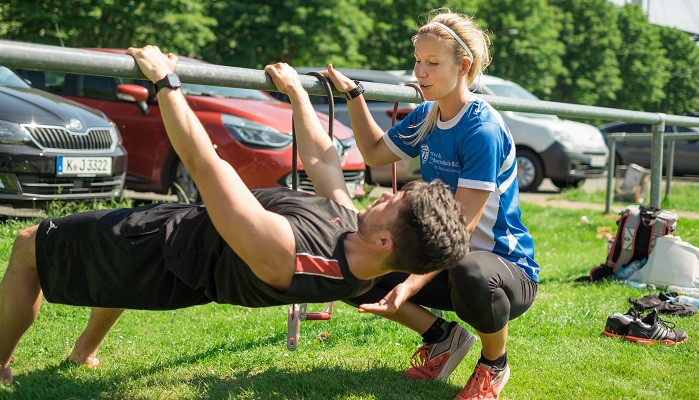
pixel 11 133
pixel 254 133
pixel 115 133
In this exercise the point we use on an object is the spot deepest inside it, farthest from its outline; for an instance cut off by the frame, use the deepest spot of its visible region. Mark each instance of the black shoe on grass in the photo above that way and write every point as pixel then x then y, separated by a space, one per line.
pixel 651 329
pixel 618 324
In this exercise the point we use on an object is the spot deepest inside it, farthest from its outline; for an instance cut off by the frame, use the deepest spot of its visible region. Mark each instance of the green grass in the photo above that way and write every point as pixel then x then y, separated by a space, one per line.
pixel 227 352
pixel 683 196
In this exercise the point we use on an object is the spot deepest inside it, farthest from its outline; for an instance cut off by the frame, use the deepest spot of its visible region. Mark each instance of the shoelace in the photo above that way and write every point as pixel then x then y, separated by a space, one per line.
pixel 479 380
pixel 419 358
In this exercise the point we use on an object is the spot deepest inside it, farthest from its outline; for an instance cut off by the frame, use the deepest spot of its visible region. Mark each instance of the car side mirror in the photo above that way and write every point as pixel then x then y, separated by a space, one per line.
pixel 135 94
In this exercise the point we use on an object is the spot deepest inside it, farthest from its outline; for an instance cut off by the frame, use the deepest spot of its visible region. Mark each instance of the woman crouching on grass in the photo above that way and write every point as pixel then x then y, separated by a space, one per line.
pixel 463 141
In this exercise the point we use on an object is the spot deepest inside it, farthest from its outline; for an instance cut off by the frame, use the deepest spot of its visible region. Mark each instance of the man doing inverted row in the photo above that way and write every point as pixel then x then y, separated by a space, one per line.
pixel 261 248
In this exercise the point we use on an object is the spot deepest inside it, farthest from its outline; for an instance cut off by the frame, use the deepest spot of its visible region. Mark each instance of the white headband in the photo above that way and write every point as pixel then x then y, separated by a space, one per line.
pixel 456 37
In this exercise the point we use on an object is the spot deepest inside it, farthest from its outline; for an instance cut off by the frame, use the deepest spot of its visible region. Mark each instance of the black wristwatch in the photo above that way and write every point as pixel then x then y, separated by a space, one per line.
pixel 171 81
pixel 359 89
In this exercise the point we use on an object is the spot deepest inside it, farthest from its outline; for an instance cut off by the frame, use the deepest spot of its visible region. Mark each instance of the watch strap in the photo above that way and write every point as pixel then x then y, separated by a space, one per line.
pixel 170 80
pixel 359 89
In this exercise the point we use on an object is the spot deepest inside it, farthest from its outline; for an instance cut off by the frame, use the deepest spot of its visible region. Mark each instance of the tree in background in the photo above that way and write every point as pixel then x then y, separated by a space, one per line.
pixel 682 89
pixel 642 62
pixel 389 46
pixel 525 46
pixel 179 26
pixel 591 38
pixel 300 32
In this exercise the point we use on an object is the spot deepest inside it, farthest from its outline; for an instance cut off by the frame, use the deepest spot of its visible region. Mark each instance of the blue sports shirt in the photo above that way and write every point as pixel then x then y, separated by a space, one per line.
pixel 474 150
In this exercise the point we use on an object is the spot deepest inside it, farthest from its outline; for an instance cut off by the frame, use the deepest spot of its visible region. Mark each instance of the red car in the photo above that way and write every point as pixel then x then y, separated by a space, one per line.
pixel 249 129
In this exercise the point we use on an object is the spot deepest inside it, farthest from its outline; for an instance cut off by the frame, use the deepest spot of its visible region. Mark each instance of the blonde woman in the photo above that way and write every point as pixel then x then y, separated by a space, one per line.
pixel 464 142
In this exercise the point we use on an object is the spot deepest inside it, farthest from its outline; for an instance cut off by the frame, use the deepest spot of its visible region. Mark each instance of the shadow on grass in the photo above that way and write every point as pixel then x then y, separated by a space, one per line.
pixel 62 381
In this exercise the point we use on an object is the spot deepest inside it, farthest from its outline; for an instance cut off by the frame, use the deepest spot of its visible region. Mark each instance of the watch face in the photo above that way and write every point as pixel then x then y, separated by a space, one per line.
pixel 173 80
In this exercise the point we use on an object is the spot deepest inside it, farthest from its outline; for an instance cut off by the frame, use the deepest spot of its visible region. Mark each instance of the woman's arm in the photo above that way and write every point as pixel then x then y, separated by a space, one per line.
pixel 367 133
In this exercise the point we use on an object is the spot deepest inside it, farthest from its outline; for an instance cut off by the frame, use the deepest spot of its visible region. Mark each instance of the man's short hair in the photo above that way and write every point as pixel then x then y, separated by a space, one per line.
pixel 430 231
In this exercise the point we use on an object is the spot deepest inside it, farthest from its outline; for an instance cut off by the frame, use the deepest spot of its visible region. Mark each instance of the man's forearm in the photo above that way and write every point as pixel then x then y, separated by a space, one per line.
pixel 187 135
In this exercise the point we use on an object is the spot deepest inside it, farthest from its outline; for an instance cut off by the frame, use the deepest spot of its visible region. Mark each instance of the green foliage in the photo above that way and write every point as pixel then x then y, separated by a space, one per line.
pixel 175 25
pixel 300 32
pixel 591 39
pixel 525 46
pixel 576 51
pixel 642 62
pixel 682 90
pixel 389 46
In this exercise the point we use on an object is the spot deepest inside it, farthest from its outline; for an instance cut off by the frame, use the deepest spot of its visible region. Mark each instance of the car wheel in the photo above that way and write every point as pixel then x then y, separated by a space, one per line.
pixel 183 185
pixel 567 183
pixel 530 171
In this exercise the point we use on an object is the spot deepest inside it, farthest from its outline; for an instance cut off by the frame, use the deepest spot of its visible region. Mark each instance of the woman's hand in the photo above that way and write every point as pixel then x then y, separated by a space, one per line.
pixel 339 80
pixel 153 63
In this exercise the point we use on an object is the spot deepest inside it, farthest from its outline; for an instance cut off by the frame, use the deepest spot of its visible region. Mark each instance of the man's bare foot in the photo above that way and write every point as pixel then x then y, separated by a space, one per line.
pixel 5 376
pixel 89 361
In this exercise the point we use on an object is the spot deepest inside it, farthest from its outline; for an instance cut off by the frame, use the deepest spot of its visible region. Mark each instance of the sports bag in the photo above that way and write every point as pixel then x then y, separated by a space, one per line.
pixel 637 229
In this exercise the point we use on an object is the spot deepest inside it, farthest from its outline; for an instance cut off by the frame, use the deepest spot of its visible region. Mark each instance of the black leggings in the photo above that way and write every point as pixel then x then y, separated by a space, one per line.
pixel 483 289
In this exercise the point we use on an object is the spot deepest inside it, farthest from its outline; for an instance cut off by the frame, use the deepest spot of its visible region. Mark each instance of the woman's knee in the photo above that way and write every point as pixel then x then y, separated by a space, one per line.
pixel 472 275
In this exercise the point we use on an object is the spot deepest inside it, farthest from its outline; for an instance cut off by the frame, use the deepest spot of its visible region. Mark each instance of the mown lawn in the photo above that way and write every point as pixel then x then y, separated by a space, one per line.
pixel 226 352
pixel 683 196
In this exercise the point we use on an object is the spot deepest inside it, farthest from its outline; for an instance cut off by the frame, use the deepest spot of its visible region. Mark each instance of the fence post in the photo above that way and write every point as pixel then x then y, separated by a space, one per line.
pixel 656 165
pixel 670 166
pixel 610 174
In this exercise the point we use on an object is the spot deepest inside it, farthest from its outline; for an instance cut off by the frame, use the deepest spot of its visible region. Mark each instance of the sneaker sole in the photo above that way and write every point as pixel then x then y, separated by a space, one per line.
pixel 612 335
pixel 635 339
pixel 455 359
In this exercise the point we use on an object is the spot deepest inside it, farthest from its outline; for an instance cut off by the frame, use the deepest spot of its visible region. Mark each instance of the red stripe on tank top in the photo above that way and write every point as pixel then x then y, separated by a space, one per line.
pixel 314 265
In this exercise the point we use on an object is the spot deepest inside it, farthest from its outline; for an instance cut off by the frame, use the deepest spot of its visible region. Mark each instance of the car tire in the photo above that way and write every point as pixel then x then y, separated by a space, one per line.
pixel 183 185
pixel 530 170
pixel 567 183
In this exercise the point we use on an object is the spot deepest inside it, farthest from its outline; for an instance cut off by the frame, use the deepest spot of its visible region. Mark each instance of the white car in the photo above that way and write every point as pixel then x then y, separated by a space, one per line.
pixel 567 152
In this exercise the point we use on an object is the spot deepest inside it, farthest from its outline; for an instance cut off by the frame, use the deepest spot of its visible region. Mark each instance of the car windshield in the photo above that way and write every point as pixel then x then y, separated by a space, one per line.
pixel 8 78
pixel 192 89
pixel 517 92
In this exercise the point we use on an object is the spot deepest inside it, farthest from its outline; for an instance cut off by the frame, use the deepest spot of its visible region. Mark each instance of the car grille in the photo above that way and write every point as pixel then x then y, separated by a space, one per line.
pixel 60 138
pixel 57 187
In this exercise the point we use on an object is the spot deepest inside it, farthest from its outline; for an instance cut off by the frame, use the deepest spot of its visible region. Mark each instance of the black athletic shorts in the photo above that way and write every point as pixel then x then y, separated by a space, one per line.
pixel 112 258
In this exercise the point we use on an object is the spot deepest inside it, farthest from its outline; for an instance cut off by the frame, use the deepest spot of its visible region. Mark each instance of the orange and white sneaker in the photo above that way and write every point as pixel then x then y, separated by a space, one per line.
pixel 485 383
pixel 438 360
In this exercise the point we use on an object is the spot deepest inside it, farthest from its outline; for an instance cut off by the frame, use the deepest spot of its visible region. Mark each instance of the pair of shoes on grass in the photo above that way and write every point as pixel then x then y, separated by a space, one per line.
pixel 633 327
pixel 438 360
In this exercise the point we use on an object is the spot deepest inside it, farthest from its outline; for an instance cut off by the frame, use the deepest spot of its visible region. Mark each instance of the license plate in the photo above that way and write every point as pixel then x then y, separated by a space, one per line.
pixel 598 161
pixel 83 166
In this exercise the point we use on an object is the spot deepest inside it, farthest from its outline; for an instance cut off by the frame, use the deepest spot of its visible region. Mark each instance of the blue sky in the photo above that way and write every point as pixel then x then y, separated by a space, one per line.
pixel 682 14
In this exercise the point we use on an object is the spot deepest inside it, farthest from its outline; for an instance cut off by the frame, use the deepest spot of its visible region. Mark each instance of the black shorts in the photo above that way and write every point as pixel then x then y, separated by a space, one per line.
pixel 112 258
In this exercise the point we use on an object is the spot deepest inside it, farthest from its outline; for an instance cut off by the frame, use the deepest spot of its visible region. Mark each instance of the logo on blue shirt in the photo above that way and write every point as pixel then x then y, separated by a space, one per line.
pixel 425 152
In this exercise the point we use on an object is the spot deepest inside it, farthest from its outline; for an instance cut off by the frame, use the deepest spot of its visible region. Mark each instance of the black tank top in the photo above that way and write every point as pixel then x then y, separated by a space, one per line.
pixel 196 253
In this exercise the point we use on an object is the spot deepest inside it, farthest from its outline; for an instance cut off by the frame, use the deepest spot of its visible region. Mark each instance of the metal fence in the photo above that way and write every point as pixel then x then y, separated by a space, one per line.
pixel 655 164
pixel 78 61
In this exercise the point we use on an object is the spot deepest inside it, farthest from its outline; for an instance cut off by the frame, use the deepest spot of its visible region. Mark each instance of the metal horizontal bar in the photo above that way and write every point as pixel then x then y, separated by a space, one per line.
pixel 78 61
pixel 639 137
